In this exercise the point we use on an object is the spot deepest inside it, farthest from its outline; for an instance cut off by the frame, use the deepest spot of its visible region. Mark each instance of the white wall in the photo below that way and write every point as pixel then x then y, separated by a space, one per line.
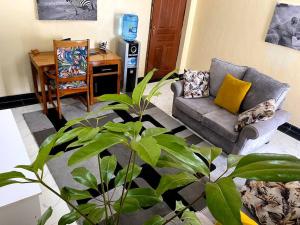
pixel 234 30
pixel 21 31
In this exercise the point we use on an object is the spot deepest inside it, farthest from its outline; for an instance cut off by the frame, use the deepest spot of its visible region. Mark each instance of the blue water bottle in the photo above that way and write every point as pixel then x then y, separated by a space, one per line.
pixel 130 26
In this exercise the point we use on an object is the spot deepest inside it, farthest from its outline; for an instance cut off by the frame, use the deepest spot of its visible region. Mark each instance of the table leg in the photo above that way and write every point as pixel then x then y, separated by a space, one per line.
pixel 43 90
pixel 35 82
pixel 119 76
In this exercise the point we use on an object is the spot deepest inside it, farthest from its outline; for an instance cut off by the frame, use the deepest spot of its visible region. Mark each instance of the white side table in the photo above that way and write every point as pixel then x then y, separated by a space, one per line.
pixel 19 203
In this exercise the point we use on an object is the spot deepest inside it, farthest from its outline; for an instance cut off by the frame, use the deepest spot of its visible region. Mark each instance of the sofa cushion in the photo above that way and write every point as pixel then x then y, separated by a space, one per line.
pixel 219 69
pixel 195 84
pixel 263 88
pixel 231 93
pixel 273 202
pixel 197 107
pixel 222 122
pixel 262 112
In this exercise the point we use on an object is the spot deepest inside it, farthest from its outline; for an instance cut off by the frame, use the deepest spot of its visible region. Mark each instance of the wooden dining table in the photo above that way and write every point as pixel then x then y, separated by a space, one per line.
pixel 44 61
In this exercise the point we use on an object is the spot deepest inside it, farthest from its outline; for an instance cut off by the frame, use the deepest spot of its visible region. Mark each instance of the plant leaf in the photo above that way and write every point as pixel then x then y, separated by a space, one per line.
pixel 88 133
pixel 25 167
pixel 85 177
pixel 233 160
pixel 190 218
pixel 115 107
pixel 130 205
pixel 146 196
pixel 168 161
pixel 269 170
pixel 179 206
pixel 69 218
pixel 172 181
pixel 46 215
pixel 75 194
pixel 161 83
pixel 95 216
pixel 209 153
pixel 169 138
pixel 155 220
pixel 10 175
pixel 186 156
pixel 139 90
pixel 224 201
pixel 108 165
pixel 120 178
pixel 147 149
pixel 151 132
pixel 68 136
pixel 8 182
pixel 265 157
pixel 103 141
pixel 121 98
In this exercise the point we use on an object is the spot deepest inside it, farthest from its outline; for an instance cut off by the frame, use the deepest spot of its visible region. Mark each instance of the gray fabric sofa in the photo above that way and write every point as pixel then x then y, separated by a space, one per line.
pixel 216 124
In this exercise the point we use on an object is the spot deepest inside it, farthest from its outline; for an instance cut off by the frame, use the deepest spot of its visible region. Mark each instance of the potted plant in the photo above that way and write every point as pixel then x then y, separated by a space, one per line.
pixel 158 149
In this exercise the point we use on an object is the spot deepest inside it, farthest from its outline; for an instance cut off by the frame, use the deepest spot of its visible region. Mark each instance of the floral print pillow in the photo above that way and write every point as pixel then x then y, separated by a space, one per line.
pixel 72 62
pixel 261 112
pixel 196 84
pixel 273 203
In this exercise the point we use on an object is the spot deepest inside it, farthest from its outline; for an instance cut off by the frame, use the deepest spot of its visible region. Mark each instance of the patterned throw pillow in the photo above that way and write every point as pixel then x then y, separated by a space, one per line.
pixel 261 112
pixel 196 84
pixel 273 203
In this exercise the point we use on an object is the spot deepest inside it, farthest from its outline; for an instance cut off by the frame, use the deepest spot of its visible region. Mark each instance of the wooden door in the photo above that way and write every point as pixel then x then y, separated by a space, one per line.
pixel 164 37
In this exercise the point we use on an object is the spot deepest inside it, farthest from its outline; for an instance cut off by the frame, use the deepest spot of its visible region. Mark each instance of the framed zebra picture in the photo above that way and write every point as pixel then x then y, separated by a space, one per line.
pixel 67 9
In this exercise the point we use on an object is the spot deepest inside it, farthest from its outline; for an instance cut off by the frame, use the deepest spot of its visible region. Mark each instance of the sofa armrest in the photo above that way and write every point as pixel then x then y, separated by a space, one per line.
pixel 177 88
pixel 255 130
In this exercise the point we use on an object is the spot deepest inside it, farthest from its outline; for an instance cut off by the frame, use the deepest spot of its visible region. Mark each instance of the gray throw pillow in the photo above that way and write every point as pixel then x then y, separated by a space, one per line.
pixel 263 88
pixel 273 203
pixel 219 69
pixel 261 112
pixel 195 84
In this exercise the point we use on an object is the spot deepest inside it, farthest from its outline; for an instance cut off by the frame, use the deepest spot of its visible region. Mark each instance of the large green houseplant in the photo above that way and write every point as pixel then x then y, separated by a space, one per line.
pixel 158 149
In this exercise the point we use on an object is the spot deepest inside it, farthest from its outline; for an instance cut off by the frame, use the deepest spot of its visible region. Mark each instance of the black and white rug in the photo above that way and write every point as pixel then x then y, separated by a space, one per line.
pixel 41 126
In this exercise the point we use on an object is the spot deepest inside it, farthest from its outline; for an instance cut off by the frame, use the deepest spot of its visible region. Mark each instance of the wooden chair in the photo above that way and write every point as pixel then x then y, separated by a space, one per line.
pixel 71 74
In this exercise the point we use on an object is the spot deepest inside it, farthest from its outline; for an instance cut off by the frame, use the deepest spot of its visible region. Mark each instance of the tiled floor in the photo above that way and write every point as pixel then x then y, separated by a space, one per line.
pixel 280 143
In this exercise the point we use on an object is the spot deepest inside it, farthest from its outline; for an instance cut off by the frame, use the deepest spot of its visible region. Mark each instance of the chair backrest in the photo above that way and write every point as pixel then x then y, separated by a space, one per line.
pixel 71 60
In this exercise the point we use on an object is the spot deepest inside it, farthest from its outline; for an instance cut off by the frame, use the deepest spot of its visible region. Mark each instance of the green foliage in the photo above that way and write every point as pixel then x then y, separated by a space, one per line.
pixel 122 98
pixel 9 178
pixel 172 181
pixel 74 194
pixel 190 218
pixel 147 149
pixel 152 132
pixel 95 215
pixel 224 201
pixel 181 153
pixel 268 167
pixel 46 215
pixel 85 177
pixel 168 161
pixel 209 153
pixel 73 216
pixel 102 142
pixel 145 196
pixel 134 173
pixel 139 90
pixel 130 205
pixel 108 165
pixel 233 160
pixel 155 220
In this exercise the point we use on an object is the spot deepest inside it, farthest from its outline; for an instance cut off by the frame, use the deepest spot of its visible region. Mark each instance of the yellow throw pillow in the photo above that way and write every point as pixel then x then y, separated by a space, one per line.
pixel 231 93
pixel 246 220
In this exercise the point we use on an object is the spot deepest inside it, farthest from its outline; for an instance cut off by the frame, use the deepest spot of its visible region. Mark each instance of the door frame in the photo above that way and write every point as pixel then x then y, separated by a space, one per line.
pixel 186 19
